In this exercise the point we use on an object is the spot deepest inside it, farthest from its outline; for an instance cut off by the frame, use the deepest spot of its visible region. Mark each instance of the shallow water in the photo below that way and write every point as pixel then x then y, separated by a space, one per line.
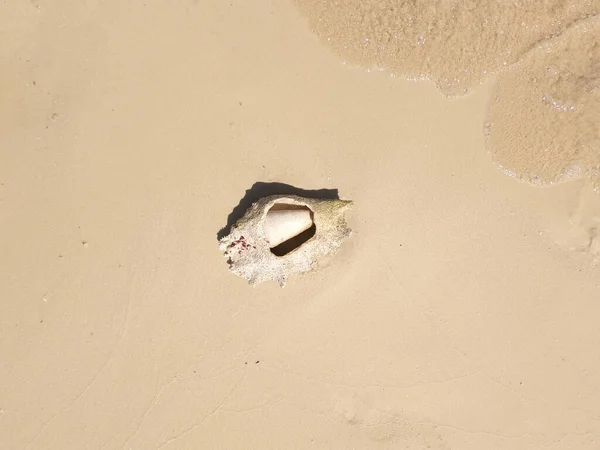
pixel 543 120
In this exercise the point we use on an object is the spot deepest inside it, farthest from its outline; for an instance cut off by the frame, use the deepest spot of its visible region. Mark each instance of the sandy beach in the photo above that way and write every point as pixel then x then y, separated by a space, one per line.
pixel 462 313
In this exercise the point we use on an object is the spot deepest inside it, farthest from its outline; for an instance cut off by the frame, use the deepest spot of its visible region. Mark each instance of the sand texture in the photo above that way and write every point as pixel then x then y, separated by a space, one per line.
pixel 462 313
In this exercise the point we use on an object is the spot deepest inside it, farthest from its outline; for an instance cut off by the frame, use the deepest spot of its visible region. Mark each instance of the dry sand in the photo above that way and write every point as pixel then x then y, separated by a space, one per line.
pixel 462 314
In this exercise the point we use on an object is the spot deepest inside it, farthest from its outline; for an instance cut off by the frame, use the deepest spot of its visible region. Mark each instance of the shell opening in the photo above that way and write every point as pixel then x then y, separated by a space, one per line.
pixel 287 227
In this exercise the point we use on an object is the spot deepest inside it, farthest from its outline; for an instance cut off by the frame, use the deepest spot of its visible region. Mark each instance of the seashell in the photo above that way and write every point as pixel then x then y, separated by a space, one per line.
pixel 284 234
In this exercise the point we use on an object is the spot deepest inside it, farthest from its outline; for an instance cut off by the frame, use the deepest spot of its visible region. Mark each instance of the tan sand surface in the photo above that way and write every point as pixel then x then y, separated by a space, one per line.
pixel 461 314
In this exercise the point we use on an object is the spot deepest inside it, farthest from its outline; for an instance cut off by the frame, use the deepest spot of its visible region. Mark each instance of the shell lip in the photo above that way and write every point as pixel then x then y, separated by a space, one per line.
pixel 293 243
pixel 280 201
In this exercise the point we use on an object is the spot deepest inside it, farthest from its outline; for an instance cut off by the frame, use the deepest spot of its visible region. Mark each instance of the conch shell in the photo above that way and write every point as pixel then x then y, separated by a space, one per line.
pixel 284 234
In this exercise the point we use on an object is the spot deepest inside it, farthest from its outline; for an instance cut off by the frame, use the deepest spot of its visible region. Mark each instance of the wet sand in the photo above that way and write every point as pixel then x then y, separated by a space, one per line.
pixel 461 314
